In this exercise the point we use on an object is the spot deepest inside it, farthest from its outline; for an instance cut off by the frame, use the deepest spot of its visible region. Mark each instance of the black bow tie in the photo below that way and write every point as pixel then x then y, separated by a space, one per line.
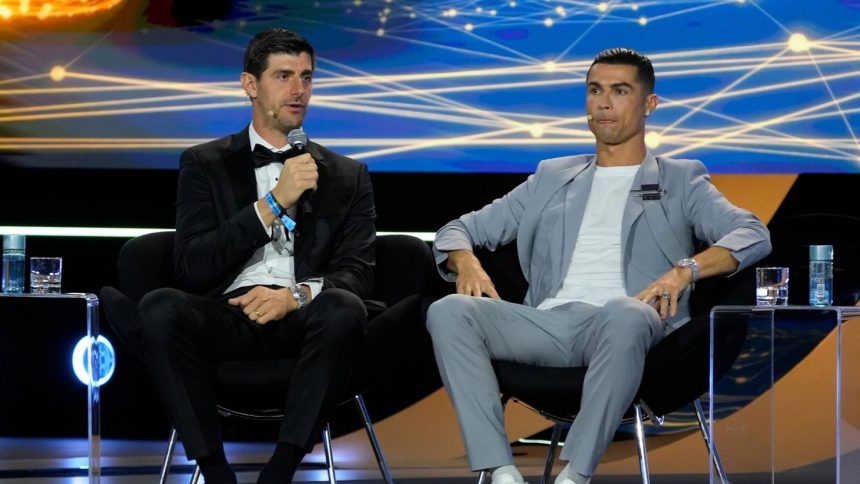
pixel 262 156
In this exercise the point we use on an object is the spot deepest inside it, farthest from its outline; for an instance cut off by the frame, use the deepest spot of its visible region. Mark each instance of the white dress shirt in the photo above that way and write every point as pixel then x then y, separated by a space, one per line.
pixel 272 264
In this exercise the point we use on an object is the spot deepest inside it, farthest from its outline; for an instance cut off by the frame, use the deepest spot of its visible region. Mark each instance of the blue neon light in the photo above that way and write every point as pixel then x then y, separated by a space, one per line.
pixel 106 358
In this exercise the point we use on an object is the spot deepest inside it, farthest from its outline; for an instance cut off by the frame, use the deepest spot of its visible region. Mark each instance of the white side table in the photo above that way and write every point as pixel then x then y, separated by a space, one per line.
pixel 782 406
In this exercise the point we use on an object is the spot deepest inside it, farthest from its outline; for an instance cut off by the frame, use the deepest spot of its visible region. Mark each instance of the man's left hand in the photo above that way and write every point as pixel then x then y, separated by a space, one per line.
pixel 262 304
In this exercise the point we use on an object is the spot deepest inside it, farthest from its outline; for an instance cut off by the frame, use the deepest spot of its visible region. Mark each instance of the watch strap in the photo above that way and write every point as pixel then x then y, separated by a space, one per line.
pixel 690 263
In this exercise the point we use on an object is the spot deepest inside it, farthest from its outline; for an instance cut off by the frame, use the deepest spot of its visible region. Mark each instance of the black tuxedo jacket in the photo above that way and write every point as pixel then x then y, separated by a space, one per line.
pixel 217 229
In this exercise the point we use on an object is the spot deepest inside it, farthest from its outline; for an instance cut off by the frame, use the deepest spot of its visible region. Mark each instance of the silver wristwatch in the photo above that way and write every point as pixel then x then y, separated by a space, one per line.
pixel 690 263
pixel 299 295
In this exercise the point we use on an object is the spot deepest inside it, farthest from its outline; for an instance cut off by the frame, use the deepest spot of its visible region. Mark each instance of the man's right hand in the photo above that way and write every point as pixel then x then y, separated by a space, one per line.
pixel 472 280
pixel 262 304
pixel 299 174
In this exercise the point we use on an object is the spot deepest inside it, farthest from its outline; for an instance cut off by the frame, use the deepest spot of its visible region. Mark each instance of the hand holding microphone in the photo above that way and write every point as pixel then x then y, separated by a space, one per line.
pixel 299 173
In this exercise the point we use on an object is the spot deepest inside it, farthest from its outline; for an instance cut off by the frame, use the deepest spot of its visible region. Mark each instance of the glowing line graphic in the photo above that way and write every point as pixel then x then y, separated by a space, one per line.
pixel 449 101
pixel 691 9
pixel 770 122
pixel 118 112
pixel 717 95
pixel 835 101
pixel 583 34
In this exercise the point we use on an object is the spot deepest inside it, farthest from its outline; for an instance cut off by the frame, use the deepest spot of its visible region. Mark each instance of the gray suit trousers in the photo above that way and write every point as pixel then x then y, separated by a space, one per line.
pixel 611 341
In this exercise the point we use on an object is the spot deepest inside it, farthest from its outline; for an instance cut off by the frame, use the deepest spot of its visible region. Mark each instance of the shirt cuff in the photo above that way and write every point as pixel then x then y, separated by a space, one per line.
pixel 314 285
pixel 260 217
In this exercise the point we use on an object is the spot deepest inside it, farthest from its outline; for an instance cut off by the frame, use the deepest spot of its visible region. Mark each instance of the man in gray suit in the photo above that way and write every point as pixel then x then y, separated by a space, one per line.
pixel 606 244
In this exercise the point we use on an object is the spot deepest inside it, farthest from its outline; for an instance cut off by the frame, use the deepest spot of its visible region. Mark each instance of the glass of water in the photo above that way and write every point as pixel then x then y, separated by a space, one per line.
pixel 771 286
pixel 46 274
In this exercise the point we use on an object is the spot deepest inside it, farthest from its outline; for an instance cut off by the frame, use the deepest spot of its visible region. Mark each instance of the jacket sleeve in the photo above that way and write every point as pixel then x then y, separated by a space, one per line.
pixel 491 227
pixel 351 265
pixel 718 222
pixel 209 249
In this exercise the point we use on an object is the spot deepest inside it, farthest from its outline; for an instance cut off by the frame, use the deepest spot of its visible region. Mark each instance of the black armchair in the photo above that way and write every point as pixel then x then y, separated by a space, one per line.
pixel 404 268
pixel 676 370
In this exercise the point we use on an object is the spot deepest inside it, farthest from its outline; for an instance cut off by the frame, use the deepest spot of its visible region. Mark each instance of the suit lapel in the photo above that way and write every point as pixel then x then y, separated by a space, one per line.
pixel 633 208
pixel 575 201
pixel 240 168
pixel 310 202
pixel 544 279
pixel 658 222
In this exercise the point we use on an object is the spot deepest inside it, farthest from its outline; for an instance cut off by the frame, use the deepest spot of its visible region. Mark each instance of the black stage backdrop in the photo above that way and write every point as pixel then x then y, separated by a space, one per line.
pixel 820 208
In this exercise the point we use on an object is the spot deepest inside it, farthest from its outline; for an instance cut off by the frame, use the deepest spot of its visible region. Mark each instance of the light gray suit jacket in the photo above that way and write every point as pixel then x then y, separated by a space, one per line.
pixel 544 215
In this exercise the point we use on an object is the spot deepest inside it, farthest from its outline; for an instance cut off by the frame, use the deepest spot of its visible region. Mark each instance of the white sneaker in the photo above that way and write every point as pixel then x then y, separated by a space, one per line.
pixel 507 479
pixel 568 476
pixel 508 474
pixel 568 480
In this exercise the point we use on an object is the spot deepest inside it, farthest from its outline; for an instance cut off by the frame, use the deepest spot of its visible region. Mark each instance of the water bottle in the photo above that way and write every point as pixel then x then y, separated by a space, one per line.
pixel 820 275
pixel 13 263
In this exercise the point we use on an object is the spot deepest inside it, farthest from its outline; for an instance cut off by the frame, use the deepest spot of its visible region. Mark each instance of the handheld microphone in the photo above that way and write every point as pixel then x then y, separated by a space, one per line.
pixel 298 140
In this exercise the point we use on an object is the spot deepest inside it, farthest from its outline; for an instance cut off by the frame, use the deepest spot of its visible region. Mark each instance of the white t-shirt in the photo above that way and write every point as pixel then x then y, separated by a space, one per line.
pixel 596 272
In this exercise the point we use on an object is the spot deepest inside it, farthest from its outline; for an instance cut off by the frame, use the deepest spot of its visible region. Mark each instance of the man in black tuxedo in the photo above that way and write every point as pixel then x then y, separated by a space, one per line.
pixel 274 248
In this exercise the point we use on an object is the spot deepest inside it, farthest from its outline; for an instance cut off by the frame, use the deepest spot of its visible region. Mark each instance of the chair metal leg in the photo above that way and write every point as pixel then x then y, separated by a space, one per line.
pixel 640 440
pixel 703 426
pixel 329 455
pixel 483 477
pixel 196 476
pixel 550 453
pixel 374 442
pixel 168 457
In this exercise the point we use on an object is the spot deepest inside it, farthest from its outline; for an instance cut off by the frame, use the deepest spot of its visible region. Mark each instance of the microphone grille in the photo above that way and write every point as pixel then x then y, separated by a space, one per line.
pixel 297 139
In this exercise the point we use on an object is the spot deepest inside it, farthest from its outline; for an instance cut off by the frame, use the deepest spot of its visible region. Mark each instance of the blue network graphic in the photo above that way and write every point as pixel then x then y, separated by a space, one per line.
pixel 764 86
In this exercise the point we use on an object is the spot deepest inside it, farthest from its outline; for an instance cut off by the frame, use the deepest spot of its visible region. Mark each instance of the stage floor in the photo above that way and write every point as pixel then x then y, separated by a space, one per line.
pixel 62 461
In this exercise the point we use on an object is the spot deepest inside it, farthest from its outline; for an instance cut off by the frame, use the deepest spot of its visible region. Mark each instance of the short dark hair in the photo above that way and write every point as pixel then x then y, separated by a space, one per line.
pixel 629 57
pixel 274 41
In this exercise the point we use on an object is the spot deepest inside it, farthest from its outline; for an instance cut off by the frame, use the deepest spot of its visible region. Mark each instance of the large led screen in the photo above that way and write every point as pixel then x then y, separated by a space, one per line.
pixel 764 86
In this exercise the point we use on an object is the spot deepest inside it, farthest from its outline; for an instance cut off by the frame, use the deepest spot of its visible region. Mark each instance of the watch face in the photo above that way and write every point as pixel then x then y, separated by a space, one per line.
pixel 298 295
pixel 689 263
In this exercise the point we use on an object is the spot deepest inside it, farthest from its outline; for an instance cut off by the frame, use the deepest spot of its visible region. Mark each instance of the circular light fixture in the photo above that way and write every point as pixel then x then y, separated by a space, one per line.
pixel 106 360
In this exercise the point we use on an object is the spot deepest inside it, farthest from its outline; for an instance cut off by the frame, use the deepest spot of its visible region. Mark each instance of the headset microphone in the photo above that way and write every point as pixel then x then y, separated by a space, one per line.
pixel 590 117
